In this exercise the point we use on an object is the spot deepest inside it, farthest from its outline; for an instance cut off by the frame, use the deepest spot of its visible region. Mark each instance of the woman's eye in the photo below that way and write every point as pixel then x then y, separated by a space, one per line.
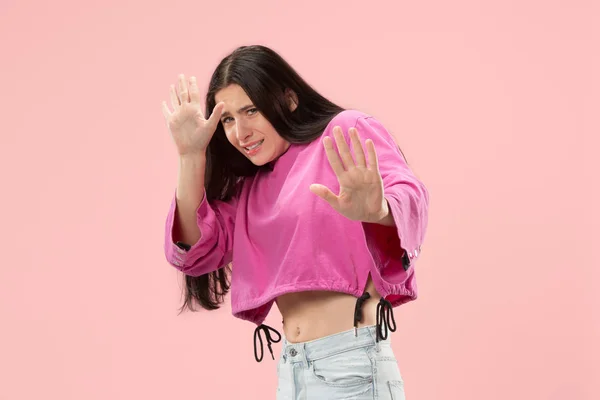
pixel 226 119
pixel 252 111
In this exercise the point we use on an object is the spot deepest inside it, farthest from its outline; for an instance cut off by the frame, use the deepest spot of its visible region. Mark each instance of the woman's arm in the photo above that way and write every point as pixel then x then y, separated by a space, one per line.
pixel 189 195
pixel 198 234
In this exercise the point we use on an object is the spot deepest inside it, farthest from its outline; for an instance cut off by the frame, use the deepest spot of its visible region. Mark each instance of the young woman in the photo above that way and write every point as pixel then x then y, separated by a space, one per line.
pixel 279 183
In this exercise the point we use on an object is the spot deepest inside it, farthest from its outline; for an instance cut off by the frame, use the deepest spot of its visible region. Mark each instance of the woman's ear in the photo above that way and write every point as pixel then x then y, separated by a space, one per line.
pixel 292 99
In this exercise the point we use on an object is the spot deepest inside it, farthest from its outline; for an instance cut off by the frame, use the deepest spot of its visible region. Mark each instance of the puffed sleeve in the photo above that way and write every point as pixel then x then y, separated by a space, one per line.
pixel 408 200
pixel 216 221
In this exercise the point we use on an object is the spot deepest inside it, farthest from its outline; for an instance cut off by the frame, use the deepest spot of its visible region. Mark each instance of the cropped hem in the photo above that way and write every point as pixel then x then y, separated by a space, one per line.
pixel 242 311
pixel 385 290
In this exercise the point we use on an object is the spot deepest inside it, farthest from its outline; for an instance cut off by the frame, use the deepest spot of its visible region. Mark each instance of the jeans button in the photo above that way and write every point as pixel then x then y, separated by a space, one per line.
pixel 293 352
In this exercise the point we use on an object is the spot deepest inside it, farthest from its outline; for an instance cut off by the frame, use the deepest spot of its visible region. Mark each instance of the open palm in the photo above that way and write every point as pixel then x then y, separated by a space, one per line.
pixel 189 128
pixel 361 187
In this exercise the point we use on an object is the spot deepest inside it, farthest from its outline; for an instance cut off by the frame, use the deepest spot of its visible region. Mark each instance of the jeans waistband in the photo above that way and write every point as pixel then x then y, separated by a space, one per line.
pixel 333 344
pixel 330 345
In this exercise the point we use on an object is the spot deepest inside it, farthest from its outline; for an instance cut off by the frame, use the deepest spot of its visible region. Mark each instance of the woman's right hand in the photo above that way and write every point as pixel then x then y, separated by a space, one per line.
pixel 190 130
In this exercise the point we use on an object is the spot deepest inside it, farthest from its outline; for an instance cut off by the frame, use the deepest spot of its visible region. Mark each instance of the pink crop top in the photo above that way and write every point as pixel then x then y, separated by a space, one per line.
pixel 281 238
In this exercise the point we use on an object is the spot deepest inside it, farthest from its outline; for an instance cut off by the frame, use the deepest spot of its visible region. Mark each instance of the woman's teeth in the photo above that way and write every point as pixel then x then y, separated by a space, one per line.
pixel 254 145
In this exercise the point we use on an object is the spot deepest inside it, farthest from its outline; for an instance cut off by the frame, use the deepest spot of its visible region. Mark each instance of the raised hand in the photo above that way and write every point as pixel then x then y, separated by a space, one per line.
pixel 361 187
pixel 190 130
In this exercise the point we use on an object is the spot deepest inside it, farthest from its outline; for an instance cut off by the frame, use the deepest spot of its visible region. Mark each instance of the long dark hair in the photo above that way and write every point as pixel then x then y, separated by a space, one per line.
pixel 267 79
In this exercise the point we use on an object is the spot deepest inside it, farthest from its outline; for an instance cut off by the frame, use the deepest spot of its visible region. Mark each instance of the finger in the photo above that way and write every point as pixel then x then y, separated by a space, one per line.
pixel 215 116
pixel 165 110
pixel 343 148
pixel 373 161
pixel 324 193
pixel 194 91
pixel 332 156
pixel 184 95
pixel 359 152
pixel 174 99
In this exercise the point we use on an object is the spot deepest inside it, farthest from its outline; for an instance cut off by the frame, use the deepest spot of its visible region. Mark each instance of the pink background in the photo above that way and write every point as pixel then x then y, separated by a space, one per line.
pixel 495 105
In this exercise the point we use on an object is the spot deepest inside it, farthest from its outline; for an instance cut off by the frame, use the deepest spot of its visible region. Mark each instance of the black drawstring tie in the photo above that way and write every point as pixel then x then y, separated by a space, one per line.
pixel 384 312
pixel 358 315
pixel 267 329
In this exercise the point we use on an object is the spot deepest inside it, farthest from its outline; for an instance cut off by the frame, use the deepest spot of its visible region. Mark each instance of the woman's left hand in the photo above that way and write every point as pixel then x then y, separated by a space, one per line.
pixel 361 187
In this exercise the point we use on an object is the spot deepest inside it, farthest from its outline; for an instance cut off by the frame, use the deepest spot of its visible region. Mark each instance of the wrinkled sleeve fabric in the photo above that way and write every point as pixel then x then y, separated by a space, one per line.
pixel 216 221
pixel 397 247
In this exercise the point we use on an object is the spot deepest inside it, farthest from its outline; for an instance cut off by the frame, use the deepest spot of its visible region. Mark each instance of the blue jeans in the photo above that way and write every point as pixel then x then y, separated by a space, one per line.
pixel 340 366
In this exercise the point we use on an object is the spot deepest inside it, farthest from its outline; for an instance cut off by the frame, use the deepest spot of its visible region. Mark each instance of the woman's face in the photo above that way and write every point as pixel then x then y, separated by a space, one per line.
pixel 246 128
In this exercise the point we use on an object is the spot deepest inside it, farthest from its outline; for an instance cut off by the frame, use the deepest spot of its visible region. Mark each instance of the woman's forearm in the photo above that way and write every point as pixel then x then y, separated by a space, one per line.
pixel 189 196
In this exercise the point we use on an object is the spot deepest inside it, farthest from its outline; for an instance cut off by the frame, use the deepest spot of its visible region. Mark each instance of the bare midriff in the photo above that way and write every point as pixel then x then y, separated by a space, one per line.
pixel 316 314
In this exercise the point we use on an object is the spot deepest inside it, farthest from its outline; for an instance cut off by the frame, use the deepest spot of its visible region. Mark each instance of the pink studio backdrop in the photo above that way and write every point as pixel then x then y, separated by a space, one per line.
pixel 495 105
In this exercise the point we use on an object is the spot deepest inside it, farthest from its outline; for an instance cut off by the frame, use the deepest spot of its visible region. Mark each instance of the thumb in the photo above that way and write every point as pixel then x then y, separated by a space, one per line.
pixel 213 120
pixel 324 193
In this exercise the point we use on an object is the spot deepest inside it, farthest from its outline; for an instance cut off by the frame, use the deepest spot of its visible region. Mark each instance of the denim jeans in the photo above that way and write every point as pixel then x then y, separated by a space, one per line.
pixel 340 366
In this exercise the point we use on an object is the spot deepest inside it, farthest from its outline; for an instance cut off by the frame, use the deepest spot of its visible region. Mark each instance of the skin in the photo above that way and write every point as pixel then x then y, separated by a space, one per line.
pixel 244 126
pixel 312 315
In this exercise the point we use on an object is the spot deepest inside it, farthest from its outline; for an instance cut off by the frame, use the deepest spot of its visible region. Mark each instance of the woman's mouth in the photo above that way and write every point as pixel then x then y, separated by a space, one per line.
pixel 252 150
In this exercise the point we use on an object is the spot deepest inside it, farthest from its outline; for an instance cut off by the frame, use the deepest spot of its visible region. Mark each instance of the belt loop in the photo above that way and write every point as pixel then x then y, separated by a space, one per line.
pixel 305 360
pixel 373 334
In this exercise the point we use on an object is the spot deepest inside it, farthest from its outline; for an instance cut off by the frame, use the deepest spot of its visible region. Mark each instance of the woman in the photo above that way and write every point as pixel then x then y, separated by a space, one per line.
pixel 257 188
